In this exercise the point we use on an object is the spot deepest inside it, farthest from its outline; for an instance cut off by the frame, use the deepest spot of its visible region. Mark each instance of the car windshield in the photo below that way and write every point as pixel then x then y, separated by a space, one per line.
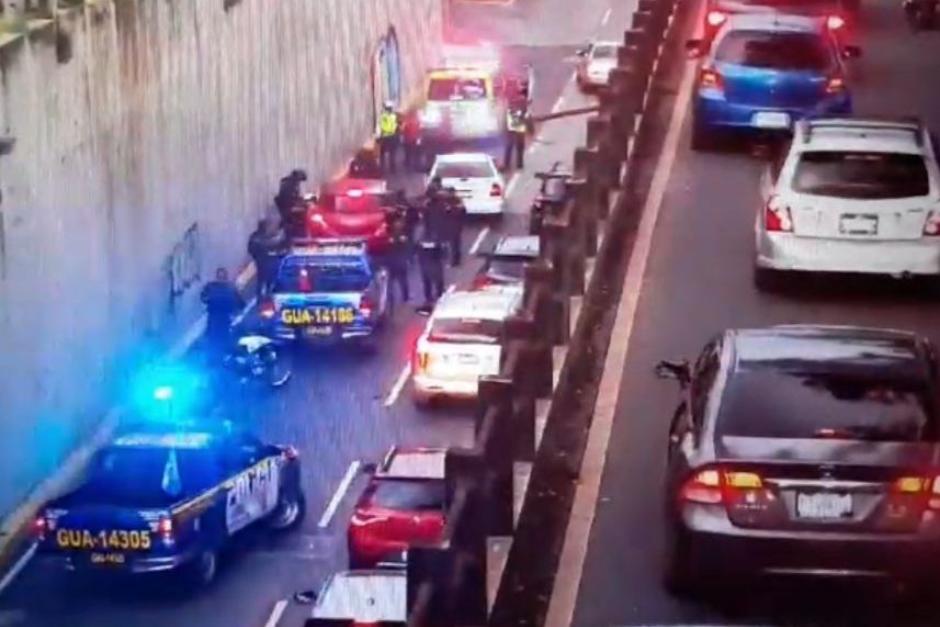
pixel 143 477
pixel 870 175
pixel 464 170
pixel 773 403
pixel 318 276
pixel 604 51
pixel 466 330
pixel 457 89
pixel 408 495
pixel 775 51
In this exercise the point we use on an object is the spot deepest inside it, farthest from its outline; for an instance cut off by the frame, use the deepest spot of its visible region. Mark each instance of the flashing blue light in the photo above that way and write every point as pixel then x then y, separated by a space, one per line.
pixel 169 391
pixel 163 393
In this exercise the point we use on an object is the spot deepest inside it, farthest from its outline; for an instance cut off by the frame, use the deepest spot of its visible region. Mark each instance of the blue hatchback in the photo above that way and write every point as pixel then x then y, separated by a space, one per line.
pixel 766 71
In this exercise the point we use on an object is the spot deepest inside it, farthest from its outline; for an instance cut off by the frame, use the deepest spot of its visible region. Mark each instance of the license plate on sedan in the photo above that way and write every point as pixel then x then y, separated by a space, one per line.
pixel 467 360
pixel 853 224
pixel 823 506
pixel 318 331
pixel 771 120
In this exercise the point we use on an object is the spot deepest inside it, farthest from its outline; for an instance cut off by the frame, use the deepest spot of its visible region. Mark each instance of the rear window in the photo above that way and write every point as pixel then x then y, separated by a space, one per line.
pixel 465 170
pixel 775 51
pixel 149 476
pixel 770 403
pixel 507 269
pixel 466 330
pixel 409 495
pixel 457 89
pixel 604 52
pixel 871 175
pixel 321 276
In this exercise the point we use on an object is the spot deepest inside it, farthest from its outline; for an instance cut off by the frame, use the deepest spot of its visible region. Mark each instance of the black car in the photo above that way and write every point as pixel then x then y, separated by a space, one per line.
pixel 169 499
pixel 505 264
pixel 804 450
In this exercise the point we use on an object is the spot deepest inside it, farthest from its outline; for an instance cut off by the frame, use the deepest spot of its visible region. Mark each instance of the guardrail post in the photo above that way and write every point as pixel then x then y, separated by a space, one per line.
pixel 553 249
pixel 498 447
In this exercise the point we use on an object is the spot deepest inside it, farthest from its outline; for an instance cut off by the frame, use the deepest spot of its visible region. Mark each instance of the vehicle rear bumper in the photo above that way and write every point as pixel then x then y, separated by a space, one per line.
pixel 716 546
pixel 783 251
pixel 424 387
pixel 484 207
pixel 713 112
pixel 367 552
pixel 133 565
pixel 339 335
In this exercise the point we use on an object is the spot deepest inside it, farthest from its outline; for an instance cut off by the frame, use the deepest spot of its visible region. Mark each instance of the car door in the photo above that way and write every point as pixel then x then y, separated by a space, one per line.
pixel 254 485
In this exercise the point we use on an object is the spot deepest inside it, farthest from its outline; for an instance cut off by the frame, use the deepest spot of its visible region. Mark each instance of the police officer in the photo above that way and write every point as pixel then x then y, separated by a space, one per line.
pixel 399 251
pixel 408 214
pixel 388 137
pixel 431 265
pixel 435 216
pixel 515 136
pixel 266 247
pixel 290 204
pixel 365 166
pixel 454 217
pixel 222 302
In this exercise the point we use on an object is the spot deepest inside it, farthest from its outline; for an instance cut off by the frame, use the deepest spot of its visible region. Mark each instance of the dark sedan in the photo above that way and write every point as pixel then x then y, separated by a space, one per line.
pixel 804 450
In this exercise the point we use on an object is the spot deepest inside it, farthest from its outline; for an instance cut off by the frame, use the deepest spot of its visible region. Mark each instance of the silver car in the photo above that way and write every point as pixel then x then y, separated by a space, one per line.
pixel 851 195
pixel 595 64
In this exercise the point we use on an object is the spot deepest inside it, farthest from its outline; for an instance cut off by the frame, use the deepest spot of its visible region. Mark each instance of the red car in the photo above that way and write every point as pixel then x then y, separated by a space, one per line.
pixel 351 208
pixel 404 503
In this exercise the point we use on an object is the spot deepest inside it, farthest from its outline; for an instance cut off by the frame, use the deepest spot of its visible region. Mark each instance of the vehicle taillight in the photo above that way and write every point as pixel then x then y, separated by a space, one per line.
pixel 710 79
pixel 777 217
pixel 835 22
pixel 835 85
pixel 480 281
pixel 716 18
pixel 932 225
pixel 267 309
pixel 496 191
pixel 720 485
pixel 366 307
pixel 928 487
pixel 165 529
pixel 40 526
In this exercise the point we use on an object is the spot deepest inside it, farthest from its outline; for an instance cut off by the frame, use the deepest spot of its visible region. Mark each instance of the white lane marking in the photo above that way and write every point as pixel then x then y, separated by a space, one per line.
pixel 339 494
pixel 19 566
pixel 571 566
pixel 560 102
pixel 244 312
pixel 512 184
pixel 276 613
pixel 606 16
pixel 479 240
pixel 400 382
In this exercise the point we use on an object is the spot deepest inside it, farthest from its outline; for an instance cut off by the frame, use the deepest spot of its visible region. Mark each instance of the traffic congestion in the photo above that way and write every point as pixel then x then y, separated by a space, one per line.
pixel 789 298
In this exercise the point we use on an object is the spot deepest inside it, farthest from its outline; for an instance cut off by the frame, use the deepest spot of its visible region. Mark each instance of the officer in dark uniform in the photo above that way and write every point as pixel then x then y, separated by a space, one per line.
pixel 266 247
pixel 222 302
pixel 455 214
pixel 435 218
pixel 365 165
pixel 431 265
pixel 409 215
pixel 291 204
pixel 399 252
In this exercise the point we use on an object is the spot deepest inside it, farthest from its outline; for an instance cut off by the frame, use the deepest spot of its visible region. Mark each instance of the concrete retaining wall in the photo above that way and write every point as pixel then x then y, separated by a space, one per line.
pixel 149 136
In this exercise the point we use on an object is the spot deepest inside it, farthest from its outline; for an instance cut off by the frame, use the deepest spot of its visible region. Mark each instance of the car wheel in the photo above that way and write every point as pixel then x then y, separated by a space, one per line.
pixel 766 280
pixel 201 571
pixel 703 139
pixel 679 575
pixel 289 513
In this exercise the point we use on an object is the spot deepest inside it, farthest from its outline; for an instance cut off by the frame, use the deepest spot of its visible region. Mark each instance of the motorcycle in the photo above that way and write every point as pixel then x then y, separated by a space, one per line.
pixel 258 360
pixel 921 14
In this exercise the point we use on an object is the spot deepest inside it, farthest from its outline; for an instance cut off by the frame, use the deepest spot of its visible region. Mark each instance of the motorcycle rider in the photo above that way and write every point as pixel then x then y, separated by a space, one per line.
pixel 266 247
pixel 291 204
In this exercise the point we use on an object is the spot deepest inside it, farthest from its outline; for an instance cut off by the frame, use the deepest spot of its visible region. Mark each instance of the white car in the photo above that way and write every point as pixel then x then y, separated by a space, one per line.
pixel 597 61
pixel 461 343
pixel 476 178
pixel 853 195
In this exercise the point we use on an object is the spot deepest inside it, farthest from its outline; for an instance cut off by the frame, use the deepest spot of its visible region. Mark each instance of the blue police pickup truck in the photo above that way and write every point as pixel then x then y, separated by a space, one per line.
pixel 328 291
pixel 169 499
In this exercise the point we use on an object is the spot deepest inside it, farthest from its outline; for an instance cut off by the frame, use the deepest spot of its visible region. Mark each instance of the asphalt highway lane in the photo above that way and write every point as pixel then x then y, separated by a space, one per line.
pixel 341 406
pixel 698 281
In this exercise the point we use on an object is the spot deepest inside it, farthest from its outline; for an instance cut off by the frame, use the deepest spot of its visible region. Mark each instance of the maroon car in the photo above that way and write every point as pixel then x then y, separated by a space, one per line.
pixel 403 503
pixel 351 208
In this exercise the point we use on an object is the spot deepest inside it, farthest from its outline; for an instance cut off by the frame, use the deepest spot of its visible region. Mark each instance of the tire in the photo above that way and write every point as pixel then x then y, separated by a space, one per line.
pixel 766 280
pixel 202 570
pixel 703 140
pixel 679 575
pixel 289 513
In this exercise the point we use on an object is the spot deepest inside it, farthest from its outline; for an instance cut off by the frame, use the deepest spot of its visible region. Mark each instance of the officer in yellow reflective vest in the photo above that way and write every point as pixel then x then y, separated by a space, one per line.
pixel 388 137
pixel 515 136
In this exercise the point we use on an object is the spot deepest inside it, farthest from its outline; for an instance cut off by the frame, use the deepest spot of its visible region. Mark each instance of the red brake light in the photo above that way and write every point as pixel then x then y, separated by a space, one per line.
pixel 40 525
pixel 165 528
pixel 925 486
pixel 480 281
pixel 932 225
pixel 777 217
pixel 835 85
pixel 710 79
pixel 267 309
pixel 496 191
pixel 366 307
pixel 716 18
pixel 835 22
pixel 719 485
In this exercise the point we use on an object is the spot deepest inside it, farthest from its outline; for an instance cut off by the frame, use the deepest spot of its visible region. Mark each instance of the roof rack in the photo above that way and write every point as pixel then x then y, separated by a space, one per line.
pixel 910 123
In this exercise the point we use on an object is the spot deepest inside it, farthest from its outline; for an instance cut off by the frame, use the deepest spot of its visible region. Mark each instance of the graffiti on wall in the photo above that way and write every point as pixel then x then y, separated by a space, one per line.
pixel 184 263
pixel 386 72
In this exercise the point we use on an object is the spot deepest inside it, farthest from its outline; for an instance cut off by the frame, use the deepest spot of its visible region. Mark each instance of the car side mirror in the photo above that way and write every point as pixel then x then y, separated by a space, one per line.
pixel 694 47
pixel 369 468
pixel 677 370
pixel 851 52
